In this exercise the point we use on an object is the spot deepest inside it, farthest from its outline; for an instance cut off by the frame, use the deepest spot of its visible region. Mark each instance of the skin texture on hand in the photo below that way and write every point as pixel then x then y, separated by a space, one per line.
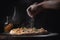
pixel 33 10
pixel 50 4
pixel 36 8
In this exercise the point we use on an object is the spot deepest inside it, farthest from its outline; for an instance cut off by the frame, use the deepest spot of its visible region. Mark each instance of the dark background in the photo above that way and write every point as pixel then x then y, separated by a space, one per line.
pixel 50 19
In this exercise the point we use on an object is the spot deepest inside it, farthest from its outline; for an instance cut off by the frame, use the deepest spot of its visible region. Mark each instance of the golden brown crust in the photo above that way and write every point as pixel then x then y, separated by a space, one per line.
pixel 20 31
pixel 8 27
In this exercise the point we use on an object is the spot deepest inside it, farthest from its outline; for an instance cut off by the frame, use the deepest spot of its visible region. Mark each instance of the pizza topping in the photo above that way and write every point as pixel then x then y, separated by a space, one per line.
pixel 20 31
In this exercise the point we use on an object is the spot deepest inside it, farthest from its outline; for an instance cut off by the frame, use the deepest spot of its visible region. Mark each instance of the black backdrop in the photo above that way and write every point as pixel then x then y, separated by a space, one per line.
pixel 49 20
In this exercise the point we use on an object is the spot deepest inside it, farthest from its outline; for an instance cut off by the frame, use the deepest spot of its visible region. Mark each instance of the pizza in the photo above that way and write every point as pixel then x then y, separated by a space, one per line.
pixel 21 31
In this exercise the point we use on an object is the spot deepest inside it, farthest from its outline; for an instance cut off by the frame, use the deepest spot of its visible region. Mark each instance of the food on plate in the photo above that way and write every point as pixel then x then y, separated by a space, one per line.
pixel 20 31
pixel 8 27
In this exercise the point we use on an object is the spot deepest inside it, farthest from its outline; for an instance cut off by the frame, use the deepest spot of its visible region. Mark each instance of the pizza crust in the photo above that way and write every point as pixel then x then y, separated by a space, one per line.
pixel 20 31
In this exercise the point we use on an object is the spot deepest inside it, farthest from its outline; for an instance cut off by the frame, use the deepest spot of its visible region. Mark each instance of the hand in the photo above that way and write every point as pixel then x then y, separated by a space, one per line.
pixel 50 4
pixel 33 10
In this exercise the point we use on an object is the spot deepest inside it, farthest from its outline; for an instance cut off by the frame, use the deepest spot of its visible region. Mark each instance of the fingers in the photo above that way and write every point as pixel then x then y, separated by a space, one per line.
pixel 33 10
pixel 29 11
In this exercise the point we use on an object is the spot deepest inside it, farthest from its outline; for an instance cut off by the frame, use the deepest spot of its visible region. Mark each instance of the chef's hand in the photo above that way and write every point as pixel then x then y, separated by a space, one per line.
pixel 33 10
pixel 50 5
pixel 36 8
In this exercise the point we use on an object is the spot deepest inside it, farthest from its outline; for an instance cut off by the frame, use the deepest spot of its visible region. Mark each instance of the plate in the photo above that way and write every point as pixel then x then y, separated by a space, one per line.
pixel 38 35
